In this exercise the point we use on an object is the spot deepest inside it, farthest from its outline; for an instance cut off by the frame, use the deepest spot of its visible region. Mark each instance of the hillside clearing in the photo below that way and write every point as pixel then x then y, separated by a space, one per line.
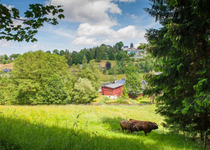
pixel 83 127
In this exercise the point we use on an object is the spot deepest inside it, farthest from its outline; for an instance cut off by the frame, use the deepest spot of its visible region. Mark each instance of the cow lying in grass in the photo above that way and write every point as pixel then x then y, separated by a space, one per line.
pixel 127 125
pixel 145 126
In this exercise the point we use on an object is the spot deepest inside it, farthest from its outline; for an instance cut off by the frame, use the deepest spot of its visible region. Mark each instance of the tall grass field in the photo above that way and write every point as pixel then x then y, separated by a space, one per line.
pixel 84 127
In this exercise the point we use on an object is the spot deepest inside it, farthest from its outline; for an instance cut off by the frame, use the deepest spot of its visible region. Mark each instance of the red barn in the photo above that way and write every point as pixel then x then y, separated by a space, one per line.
pixel 112 89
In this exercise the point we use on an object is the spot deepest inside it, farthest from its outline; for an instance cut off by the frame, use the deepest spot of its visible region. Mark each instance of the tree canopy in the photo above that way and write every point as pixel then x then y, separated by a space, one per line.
pixel 39 78
pixel 183 45
pixel 33 19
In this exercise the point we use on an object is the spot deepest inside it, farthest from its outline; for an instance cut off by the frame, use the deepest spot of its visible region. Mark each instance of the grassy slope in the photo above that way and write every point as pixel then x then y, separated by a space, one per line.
pixel 96 127
pixel 110 78
pixel 9 66
pixel 103 63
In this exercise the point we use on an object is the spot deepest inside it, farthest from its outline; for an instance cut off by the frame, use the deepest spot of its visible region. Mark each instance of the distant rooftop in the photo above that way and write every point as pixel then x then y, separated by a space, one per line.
pixel 122 81
pixel 113 86
pixel 6 70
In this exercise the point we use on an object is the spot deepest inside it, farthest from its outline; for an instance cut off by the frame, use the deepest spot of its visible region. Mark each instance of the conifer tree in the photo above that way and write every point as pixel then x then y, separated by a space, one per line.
pixel 183 45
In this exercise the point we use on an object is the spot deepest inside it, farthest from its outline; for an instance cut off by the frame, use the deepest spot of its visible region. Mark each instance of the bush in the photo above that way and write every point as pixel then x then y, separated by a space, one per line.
pixel 104 99
pixel 139 98
pixel 83 91
pixel 104 71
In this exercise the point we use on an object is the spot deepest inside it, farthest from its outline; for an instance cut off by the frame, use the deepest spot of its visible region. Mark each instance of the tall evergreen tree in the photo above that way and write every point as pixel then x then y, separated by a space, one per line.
pixel 108 65
pixel 98 54
pixel 184 46
pixel 67 55
pixel 89 55
pixel 111 55
pixel 131 45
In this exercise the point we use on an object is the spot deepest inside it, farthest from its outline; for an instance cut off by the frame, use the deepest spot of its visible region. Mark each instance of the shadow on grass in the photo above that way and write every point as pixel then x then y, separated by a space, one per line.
pixel 157 138
pixel 20 134
pixel 113 123
pixel 17 134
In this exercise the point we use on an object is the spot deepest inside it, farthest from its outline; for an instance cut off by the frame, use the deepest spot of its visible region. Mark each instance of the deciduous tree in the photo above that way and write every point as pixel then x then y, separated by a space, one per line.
pixel 39 77
pixel 34 18
pixel 84 91
pixel 133 84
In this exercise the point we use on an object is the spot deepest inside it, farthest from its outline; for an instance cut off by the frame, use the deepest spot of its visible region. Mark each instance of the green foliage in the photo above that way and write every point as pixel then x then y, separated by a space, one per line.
pixel 125 93
pixel 55 91
pixel 34 18
pixel 113 70
pixel 130 68
pixel 98 54
pixel 119 45
pixel 84 127
pixel 68 57
pixel 121 67
pixel 185 79
pixel 62 53
pixel 142 46
pixel 131 45
pixel 122 56
pixel 104 52
pixel 84 62
pixel 84 91
pixel 78 58
pixel 92 73
pixel 133 84
pixel 38 66
pixel 4 62
pixel 38 78
pixel 111 55
pixel 104 99
pixel 28 92
pixel 147 64
pixel 132 54
pixel 7 90
pixel 108 65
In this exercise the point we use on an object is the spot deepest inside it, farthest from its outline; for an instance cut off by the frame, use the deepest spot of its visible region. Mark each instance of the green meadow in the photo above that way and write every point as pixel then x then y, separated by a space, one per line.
pixel 84 127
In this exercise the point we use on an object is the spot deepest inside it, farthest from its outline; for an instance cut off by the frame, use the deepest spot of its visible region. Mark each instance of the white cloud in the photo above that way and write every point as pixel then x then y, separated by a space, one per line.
pixel 85 41
pixel 127 32
pixel 5 43
pixel 96 23
pixel 86 29
pixel 8 6
pixel 90 11
pixel 88 33
pixel 127 0
pixel 133 16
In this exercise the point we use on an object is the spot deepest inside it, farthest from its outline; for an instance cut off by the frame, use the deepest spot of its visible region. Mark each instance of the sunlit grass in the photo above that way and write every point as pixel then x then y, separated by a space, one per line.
pixel 111 78
pixel 83 127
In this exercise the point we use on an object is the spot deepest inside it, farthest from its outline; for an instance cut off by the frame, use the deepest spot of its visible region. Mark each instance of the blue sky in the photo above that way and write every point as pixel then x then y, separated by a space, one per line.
pixel 87 24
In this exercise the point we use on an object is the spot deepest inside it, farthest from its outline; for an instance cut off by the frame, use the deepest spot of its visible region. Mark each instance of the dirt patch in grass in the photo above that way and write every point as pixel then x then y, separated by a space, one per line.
pixel 8 66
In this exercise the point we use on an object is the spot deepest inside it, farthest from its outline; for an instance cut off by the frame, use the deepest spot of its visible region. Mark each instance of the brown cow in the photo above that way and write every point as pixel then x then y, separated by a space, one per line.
pixel 145 126
pixel 127 125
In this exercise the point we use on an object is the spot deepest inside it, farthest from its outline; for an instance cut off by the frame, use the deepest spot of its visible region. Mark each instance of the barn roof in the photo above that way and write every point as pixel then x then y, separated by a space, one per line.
pixel 113 86
pixel 122 81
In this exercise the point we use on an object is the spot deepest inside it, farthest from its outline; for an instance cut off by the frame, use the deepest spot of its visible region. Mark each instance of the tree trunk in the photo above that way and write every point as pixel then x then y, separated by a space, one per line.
pixel 205 138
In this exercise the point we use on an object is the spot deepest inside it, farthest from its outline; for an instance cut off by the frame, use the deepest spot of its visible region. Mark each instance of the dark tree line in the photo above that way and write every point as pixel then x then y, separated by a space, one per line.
pixel 103 52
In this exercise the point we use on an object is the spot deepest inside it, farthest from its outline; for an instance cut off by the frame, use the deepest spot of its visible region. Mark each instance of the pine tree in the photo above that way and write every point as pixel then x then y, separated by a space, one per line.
pixel 98 55
pixel 183 45
pixel 131 45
